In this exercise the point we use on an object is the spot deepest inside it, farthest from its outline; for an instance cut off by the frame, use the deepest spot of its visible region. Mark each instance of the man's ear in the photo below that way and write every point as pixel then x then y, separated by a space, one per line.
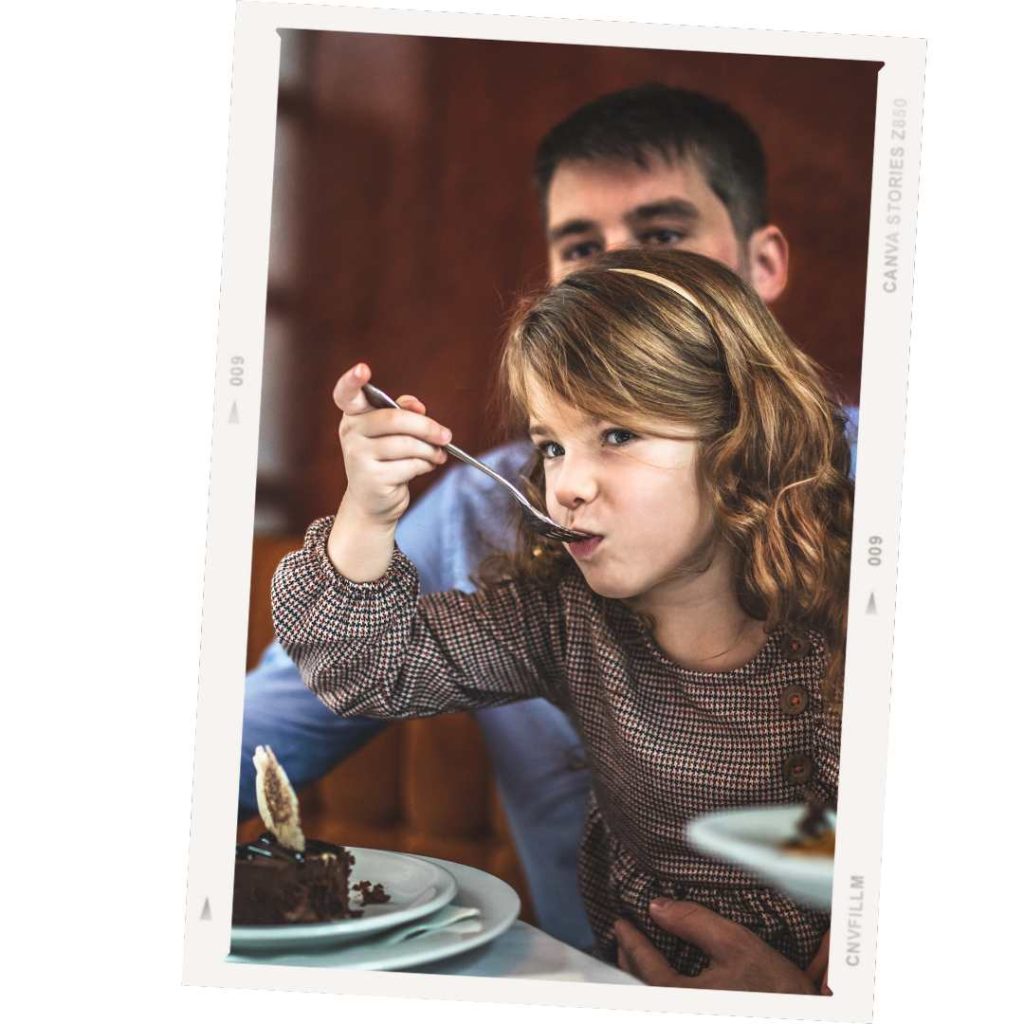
pixel 768 260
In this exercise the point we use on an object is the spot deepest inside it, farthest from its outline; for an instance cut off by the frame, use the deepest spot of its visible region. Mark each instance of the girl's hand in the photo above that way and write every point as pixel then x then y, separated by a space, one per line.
pixel 383 449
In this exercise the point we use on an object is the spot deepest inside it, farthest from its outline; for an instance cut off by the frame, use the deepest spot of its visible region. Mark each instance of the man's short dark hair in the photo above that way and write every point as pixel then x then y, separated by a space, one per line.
pixel 655 120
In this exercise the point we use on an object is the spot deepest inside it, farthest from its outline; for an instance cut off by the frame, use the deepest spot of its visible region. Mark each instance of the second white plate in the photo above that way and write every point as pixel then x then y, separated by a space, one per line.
pixel 417 887
pixel 752 837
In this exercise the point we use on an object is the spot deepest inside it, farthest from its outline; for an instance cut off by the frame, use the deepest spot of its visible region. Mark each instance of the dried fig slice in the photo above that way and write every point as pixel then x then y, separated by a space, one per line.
pixel 277 802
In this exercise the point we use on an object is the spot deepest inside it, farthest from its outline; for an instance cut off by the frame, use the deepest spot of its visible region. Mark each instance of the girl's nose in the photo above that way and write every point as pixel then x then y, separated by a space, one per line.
pixel 576 482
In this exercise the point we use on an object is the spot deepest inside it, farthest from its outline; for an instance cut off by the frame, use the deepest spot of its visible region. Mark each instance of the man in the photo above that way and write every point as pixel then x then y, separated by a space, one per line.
pixel 649 166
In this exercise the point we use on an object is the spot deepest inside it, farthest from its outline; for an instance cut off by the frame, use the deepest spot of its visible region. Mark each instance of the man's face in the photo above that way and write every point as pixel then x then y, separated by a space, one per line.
pixel 594 207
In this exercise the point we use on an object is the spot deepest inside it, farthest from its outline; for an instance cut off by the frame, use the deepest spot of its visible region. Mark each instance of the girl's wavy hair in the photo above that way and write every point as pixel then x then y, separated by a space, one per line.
pixel 772 456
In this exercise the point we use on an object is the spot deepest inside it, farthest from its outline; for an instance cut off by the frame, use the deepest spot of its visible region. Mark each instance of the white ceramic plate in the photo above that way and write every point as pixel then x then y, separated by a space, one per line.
pixel 417 887
pixel 498 904
pixel 751 837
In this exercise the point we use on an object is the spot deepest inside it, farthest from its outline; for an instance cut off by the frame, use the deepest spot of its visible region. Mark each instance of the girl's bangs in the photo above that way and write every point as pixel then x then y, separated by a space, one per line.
pixel 581 365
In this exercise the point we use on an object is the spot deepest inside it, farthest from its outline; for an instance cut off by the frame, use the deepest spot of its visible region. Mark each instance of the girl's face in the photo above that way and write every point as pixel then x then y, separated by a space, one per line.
pixel 635 489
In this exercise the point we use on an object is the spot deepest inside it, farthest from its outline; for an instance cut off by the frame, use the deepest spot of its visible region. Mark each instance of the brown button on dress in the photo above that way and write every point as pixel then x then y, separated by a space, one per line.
pixel 798 768
pixel 794 699
pixel 664 743
pixel 796 646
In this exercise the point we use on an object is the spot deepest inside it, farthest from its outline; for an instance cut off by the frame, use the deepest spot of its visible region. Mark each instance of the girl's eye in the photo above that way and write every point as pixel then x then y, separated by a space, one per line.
pixel 618 436
pixel 550 449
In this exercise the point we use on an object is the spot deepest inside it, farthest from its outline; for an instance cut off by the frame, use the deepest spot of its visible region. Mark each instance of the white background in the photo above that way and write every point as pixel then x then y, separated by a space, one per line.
pixel 115 133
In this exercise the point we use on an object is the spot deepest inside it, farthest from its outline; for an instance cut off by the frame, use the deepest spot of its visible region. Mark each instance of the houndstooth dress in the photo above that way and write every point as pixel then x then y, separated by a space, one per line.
pixel 665 743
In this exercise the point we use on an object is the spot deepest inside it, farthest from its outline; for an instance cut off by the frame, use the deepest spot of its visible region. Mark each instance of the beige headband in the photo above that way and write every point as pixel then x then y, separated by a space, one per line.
pixel 677 288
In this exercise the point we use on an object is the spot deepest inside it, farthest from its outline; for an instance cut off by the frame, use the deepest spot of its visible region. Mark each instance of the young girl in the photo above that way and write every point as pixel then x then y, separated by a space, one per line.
pixel 696 638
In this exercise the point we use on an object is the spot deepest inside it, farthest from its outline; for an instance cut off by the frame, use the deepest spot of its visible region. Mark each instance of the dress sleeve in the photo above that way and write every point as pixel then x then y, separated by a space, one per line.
pixel 378 649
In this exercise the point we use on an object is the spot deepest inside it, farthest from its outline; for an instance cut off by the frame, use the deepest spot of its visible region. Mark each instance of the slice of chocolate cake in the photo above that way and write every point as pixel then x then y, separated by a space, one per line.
pixel 284 878
pixel 277 885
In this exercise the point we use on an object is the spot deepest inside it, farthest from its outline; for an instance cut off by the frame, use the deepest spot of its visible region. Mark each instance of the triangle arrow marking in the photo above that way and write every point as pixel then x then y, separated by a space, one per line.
pixel 206 915
pixel 872 607
pixel 233 418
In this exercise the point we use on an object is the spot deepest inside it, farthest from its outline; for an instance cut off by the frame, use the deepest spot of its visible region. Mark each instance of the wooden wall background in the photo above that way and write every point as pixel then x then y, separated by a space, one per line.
pixel 404 220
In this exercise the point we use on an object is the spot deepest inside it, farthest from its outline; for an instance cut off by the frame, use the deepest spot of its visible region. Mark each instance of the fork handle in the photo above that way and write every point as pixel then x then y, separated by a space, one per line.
pixel 452 449
pixel 378 398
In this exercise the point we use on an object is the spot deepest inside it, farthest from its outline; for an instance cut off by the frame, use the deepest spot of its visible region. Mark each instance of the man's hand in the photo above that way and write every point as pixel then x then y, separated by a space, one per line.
pixel 740 961
pixel 817 969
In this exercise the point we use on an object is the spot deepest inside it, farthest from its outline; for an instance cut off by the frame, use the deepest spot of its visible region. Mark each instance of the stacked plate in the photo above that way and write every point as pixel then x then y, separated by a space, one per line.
pixel 437 909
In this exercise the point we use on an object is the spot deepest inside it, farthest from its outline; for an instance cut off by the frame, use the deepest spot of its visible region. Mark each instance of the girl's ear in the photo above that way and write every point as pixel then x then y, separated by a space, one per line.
pixel 768 260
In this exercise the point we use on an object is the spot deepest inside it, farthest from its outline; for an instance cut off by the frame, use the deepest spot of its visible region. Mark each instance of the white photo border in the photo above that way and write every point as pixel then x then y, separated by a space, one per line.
pixel 894 194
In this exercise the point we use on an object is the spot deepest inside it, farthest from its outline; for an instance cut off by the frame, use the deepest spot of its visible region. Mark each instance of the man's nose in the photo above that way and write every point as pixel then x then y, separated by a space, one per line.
pixel 576 483
pixel 621 238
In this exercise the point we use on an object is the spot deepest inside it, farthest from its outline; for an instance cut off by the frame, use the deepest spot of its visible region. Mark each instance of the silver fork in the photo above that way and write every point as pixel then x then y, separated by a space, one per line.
pixel 537 521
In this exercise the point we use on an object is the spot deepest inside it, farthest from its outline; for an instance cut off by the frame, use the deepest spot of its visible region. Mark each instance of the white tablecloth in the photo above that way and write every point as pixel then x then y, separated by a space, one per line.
pixel 527 952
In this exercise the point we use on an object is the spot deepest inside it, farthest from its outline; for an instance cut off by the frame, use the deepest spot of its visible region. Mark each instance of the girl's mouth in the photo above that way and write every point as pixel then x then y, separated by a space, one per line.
pixel 584 549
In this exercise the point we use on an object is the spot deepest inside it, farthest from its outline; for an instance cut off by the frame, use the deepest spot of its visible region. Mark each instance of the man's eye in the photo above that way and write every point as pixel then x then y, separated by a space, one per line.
pixel 549 449
pixel 618 436
pixel 581 251
pixel 666 237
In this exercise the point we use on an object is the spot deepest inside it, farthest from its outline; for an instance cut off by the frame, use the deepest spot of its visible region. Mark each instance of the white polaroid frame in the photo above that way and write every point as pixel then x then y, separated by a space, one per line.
pixel 232 488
